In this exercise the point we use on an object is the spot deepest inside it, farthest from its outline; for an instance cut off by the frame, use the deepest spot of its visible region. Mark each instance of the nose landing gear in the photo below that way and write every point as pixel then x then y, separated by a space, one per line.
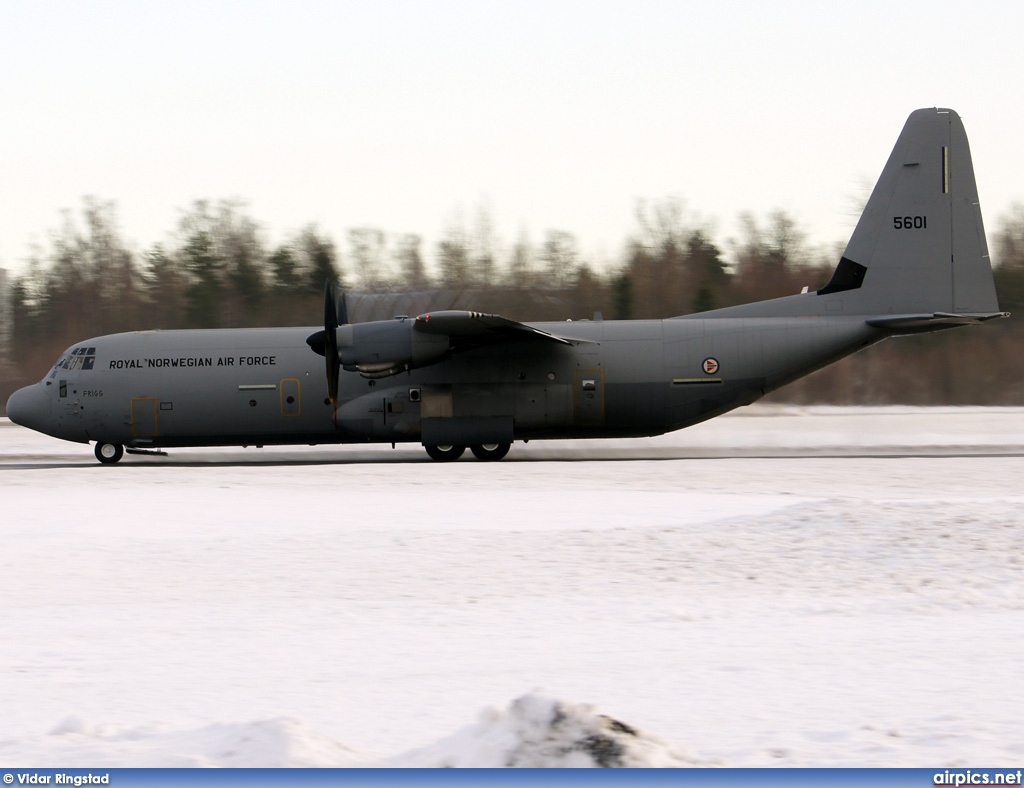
pixel 109 453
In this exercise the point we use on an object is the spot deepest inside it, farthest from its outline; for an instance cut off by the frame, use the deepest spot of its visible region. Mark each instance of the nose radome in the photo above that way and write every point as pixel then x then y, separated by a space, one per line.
pixel 30 408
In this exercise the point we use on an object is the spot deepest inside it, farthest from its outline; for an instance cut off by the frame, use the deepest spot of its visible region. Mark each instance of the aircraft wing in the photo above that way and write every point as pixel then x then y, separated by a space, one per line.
pixel 467 330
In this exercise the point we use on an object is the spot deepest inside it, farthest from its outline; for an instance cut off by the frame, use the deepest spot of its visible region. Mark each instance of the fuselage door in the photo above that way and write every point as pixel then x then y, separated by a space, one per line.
pixel 145 421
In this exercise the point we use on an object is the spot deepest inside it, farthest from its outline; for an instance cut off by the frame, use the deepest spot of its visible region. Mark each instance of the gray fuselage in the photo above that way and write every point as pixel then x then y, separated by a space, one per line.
pixel 153 389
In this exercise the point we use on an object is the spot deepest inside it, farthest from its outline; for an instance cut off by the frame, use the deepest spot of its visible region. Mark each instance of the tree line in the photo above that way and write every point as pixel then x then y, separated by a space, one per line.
pixel 218 270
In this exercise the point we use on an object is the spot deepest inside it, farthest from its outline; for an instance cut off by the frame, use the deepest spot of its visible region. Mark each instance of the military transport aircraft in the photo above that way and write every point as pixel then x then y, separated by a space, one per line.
pixel 917 261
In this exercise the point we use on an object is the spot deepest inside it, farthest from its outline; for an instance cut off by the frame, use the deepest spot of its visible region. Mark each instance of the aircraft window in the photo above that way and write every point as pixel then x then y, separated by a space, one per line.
pixel 63 388
pixel 80 358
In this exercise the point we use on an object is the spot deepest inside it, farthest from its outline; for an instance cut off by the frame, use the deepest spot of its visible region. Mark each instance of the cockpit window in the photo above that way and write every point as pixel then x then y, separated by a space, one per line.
pixel 82 358
pixel 79 358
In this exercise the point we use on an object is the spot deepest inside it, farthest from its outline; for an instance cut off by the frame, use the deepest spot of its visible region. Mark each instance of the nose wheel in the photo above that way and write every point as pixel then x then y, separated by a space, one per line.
pixel 109 453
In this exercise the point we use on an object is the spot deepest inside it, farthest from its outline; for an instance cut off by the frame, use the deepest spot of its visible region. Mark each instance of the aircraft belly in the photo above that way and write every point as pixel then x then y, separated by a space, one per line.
pixel 716 365
pixel 635 409
pixel 389 413
pixel 635 399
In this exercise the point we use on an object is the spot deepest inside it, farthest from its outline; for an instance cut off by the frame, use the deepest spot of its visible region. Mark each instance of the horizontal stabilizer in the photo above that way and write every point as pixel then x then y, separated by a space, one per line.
pixel 912 324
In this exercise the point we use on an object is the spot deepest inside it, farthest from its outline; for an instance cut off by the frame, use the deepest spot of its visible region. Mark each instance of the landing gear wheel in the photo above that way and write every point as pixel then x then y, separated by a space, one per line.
pixel 109 453
pixel 490 451
pixel 445 453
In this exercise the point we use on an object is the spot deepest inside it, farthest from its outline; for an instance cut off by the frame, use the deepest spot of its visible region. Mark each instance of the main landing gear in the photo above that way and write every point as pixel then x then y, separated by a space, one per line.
pixel 445 453
pixel 482 451
pixel 490 451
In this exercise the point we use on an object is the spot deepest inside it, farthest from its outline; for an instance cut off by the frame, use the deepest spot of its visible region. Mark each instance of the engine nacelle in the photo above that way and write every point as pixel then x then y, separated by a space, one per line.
pixel 387 347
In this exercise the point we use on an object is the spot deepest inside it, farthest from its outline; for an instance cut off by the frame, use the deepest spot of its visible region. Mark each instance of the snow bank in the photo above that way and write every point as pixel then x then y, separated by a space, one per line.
pixel 535 731
pixel 539 731
pixel 273 743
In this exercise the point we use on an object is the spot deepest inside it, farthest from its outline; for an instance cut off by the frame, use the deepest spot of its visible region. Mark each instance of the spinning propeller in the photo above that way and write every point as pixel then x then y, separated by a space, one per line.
pixel 326 342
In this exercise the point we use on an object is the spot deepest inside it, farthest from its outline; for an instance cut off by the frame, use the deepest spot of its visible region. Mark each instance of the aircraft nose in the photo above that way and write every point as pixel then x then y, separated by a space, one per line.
pixel 30 408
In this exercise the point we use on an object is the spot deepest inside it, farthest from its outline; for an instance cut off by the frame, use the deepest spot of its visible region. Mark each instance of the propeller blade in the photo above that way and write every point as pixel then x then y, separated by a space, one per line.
pixel 331 341
pixel 330 306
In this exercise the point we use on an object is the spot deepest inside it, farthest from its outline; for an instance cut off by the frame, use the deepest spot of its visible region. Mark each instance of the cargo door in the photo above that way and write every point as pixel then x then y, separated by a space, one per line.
pixel 145 421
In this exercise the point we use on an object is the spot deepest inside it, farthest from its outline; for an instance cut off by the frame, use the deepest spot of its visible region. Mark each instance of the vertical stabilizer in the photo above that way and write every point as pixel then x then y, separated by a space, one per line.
pixel 919 246
pixel 918 259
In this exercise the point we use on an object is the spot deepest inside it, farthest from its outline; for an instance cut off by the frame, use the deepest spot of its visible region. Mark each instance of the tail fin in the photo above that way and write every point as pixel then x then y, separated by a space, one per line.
pixel 918 259
pixel 919 248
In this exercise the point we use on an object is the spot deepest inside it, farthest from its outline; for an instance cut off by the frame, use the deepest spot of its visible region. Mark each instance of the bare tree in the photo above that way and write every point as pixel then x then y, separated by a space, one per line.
pixel 520 266
pixel 484 243
pixel 368 256
pixel 454 257
pixel 560 256
pixel 411 270
pixel 319 259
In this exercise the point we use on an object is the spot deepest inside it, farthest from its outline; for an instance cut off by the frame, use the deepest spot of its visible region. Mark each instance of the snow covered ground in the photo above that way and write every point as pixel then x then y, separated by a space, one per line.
pixel 780 586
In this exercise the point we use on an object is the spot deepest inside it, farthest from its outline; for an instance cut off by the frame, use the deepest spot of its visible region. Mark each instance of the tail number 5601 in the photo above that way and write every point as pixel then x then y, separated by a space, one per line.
pixel 910 222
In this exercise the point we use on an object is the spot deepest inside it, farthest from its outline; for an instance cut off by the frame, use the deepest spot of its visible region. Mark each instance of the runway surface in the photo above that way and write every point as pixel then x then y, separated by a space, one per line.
pixel 780 586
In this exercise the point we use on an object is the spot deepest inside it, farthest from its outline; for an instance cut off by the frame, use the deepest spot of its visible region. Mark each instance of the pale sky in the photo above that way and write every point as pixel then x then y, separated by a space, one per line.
pixel 555 115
